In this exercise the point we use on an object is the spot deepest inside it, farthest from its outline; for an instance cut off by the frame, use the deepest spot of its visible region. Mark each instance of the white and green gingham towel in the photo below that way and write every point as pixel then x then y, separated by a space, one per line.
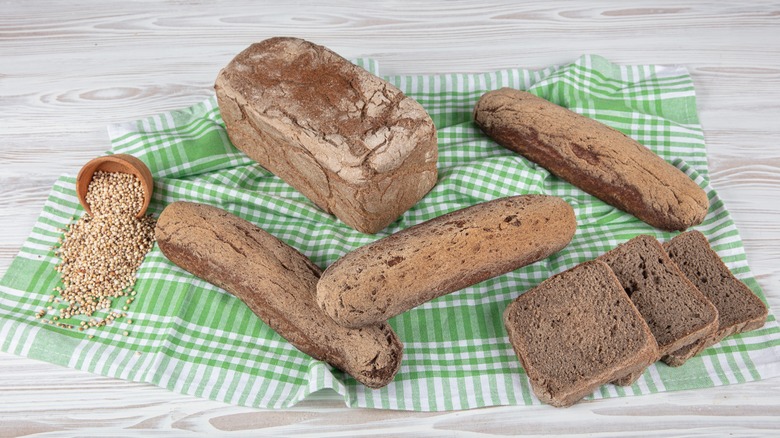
pixel 193 338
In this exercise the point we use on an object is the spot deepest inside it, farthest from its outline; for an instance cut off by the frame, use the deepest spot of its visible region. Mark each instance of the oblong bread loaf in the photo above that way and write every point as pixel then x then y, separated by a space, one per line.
pixel 594 157
pixel 443 255
pixel 278 284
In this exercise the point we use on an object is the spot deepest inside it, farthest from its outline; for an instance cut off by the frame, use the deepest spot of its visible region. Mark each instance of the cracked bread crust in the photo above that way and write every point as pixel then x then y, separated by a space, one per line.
pixel 576 331
pixel 594 157
pixel 348 140
pixel 278 284
pixel 443 255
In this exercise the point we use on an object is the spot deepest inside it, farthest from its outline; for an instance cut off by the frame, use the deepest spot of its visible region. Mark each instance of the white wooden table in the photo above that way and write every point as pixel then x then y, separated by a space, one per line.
pixel 67 69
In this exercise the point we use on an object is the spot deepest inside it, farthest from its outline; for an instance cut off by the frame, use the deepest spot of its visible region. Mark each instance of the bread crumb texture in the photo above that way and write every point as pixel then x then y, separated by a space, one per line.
pixel 674 309
pixel 576 331
pixel 739 309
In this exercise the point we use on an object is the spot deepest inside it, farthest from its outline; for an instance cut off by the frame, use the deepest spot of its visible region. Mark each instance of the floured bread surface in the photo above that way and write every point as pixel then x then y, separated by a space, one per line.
pixel 348 140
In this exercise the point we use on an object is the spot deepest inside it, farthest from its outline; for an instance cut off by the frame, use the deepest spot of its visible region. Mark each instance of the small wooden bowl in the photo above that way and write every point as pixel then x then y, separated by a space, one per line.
pixel 121 163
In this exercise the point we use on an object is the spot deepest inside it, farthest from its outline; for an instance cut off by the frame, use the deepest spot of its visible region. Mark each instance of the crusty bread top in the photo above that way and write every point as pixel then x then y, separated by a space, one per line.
pixel 676 312
pixel 576 331
pixel 354 122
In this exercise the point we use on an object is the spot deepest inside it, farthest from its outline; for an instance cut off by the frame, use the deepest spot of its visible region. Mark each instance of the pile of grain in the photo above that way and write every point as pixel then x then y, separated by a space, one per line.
pixel 100 253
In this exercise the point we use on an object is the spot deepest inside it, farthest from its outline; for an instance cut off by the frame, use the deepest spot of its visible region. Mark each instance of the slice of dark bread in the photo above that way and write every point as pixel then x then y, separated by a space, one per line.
pixel 576 331
pixel 677 313
pixel 739 309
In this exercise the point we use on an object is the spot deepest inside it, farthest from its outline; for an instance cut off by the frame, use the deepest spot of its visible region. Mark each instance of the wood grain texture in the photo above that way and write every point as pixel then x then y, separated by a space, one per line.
pixel 69 69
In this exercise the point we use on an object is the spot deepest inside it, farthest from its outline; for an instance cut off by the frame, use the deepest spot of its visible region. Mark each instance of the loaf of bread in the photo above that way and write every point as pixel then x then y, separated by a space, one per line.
pixel 594 157
pixel 443 255
pixel 676 311
pixel 576 331
pixel 278 284
pixel 348 140
pixel 739 309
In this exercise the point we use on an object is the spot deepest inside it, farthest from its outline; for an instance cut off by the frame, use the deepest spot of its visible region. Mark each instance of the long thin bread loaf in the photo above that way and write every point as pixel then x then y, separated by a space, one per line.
pixel 443 255
pixel 594 157
pixel 278 284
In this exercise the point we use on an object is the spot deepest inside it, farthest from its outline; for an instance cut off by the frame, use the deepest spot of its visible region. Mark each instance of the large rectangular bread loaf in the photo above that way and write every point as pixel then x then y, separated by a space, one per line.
pixel 348 140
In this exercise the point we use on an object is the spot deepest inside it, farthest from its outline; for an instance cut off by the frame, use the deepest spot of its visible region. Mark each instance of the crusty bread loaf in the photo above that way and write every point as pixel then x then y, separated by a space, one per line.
pixel 278 284
pixel 351 142
pixel 576 331
pixel 443 255
pixel 594 157
pixel 739 309
pixel 675 310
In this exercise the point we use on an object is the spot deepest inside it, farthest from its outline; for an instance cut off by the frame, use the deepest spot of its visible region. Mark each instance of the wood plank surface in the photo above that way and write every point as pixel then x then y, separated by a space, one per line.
pixel 67 69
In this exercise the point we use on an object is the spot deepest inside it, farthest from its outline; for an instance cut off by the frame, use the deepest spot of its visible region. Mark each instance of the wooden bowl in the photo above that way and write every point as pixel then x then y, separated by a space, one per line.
pixel 121 163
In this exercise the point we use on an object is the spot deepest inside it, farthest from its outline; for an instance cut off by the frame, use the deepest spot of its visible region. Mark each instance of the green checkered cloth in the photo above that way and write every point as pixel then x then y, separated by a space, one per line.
pixel 193 338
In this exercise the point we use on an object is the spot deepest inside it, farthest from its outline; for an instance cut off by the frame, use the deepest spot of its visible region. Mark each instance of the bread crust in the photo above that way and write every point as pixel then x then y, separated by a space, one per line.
pixel 594 157
pixel 278 284
pixel 443 255
pixel 350 141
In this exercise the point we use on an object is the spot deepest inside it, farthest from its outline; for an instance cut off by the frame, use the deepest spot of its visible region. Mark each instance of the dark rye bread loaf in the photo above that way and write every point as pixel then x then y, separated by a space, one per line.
pixel 739 309
pixel 594 157
pixel 677 313
pixel 278 284
pixel 348 140
pixel 576 331
pixel 443 255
